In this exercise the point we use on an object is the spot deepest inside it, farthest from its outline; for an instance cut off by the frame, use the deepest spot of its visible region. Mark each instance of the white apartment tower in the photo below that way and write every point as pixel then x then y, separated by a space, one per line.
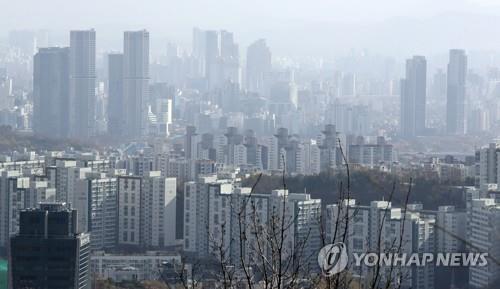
pixel 158 210
pixel 196 205
pixel 488 165
pixel 101 209
pixel 450 224
pixel 129 207
pixel 484 234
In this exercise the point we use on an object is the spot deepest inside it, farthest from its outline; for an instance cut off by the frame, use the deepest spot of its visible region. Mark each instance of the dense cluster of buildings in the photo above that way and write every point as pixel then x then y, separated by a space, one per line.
pixel 119 209
pixel 187 127
pixel 75 92
pixel 124 203
pixel 381 227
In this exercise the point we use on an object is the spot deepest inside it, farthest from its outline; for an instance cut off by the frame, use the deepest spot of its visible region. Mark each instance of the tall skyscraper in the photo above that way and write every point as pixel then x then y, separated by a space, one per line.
pixel 212 67
pixel 82 84
pixel 217 57
pixel 51 92
pixel 413 94
pixel 259 67
pixel 116 102
pixel 229 58
pixel 48 252
pixel 190 147
pixel 227 46
pixel 330 156
pixel 135 81
pixel 455 93
pixel 199 51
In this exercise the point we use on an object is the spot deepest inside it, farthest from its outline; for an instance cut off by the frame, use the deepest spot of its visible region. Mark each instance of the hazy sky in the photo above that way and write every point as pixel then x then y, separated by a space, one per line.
pixel 313 26
pixel 61 13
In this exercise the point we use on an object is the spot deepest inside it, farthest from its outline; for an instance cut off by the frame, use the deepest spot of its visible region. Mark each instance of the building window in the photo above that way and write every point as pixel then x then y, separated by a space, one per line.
pixel 357 244
pixel 358 230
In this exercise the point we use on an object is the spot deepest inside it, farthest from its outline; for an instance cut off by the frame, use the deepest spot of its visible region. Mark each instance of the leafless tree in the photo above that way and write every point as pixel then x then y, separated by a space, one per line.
pixel 265 252
pixel 185 274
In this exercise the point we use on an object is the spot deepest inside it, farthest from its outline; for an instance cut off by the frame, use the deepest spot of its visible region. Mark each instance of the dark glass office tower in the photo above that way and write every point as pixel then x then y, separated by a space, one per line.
pixel 48 253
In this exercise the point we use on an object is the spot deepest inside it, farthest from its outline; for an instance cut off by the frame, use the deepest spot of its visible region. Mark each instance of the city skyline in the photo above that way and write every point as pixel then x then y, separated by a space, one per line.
pixel 351 27
pixel 277 145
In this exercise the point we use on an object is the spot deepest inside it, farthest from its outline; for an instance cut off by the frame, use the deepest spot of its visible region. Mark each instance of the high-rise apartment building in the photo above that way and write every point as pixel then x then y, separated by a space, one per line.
pixel 381 228
pixel 258 77
pixel 18 192
pixel 451 229
pixel 135 81
pixel 483 228
pixel 229 54
pixel 116 101
pixel 371 155
pixel 196 203
pixel 51 92
pixel 488 158
pixel 199 51
pixel 82 74
pixel 158 210
pixel 330 156
pixel 212 52
pixel 63 177
pixel 100 207
pixel 455 92
pixel 129 200
pixel 190 143
pixel 212 209
pixel 147 210
pixel 413 96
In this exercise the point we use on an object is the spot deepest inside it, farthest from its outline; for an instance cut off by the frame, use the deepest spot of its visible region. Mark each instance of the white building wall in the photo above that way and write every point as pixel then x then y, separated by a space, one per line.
pixel 484 228
pixel 129 200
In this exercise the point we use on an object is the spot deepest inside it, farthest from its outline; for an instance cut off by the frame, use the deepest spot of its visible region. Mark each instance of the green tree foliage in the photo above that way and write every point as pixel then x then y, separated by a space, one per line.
pixel 366 186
